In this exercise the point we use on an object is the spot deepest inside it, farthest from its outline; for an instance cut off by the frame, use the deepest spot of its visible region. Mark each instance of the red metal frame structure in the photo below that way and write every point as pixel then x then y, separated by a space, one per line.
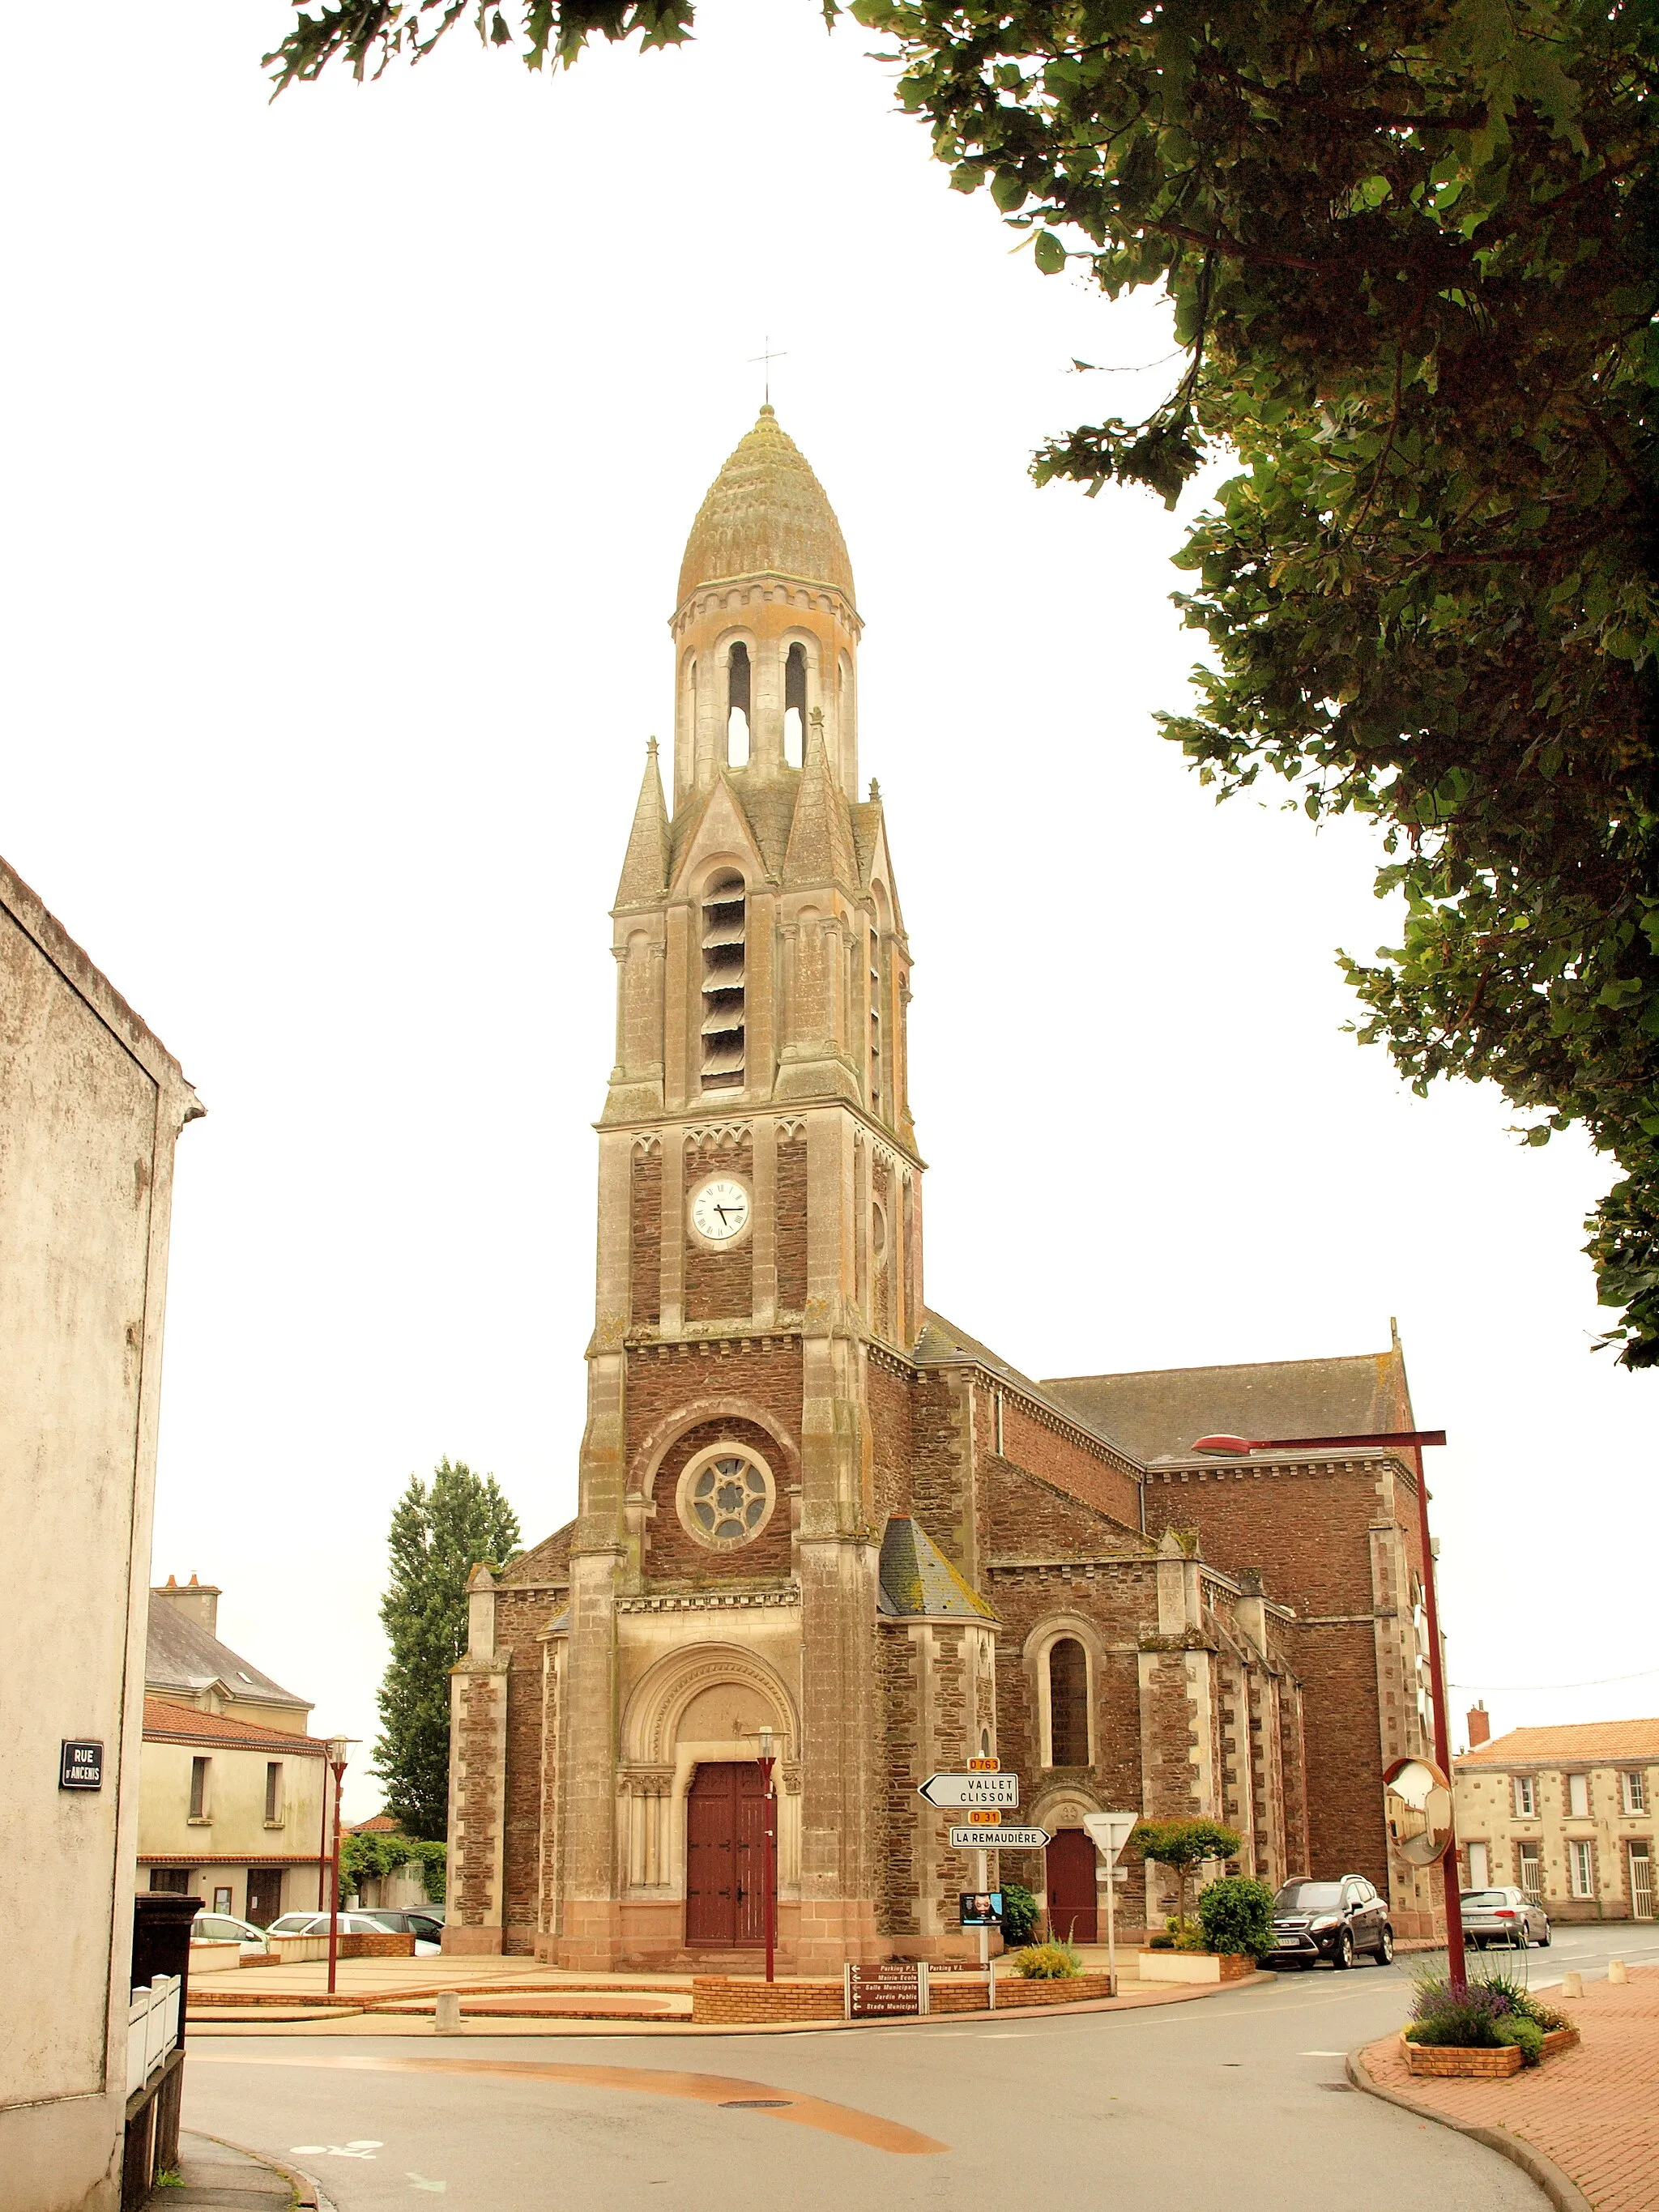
pixel 1413 1440
pixel 766 1762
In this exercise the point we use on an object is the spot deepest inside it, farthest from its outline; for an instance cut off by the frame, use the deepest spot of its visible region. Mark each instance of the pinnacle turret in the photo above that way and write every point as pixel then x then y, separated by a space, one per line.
pixel 645 867
pixel 821 847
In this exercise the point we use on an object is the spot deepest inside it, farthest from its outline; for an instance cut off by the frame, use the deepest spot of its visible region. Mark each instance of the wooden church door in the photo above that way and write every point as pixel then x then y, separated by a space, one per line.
pixel 1069 1871
pixel 725 1855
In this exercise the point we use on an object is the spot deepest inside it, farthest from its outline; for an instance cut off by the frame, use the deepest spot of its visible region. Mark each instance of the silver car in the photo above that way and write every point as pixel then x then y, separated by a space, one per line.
pixel 1504 1916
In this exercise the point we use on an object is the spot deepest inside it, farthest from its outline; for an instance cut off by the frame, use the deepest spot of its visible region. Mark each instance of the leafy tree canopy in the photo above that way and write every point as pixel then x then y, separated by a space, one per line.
pixel 439 1532
pixel 1412 250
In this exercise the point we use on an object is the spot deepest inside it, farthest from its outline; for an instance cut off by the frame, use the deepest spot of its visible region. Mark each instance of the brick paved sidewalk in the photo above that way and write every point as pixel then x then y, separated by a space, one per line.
pixel 1593 2112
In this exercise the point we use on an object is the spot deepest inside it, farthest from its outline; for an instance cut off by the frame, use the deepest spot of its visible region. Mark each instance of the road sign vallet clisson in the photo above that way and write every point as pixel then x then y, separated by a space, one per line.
pixel 954 1791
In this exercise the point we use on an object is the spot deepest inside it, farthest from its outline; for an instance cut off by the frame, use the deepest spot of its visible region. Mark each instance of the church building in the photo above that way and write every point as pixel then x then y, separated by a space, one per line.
pixel 810 1505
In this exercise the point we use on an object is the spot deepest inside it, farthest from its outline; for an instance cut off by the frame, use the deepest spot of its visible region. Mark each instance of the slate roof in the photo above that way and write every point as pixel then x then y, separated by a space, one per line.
pixel 918 1580
pixel 1603 1742
pixel 166 1722
pixel 941 1339
pixel 1160 1412
pixel 180 1655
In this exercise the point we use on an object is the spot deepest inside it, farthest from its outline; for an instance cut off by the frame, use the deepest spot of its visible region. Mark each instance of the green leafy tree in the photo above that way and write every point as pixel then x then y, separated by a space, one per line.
pixel 440 1531
pixel 1182 1845
pixel 1410 248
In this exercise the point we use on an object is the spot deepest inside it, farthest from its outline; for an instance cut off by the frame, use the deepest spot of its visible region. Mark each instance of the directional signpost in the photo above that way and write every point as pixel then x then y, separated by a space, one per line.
pixel 1109 1833
pixel 984 1793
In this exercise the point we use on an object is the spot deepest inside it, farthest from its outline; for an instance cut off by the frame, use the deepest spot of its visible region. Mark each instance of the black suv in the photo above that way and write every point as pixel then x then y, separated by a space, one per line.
pixel 1333 1920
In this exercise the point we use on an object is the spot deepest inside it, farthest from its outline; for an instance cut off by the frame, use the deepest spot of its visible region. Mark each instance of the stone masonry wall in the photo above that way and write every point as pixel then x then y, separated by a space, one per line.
pixel 672 1555
pixel 719 1285
pixel 645 1245
pixel 790 1209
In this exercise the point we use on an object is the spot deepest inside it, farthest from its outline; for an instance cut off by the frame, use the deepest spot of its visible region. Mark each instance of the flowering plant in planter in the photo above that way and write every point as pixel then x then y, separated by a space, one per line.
pixel 1494 2011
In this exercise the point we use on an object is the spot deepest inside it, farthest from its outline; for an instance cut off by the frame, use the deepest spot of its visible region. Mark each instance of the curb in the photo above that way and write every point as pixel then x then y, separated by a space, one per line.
pixel 1563 2191
pixel 246 2019
pixel 309 2195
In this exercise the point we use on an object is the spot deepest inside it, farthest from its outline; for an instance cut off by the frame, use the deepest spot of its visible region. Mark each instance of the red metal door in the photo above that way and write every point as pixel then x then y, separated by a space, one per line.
pixel 1070 1874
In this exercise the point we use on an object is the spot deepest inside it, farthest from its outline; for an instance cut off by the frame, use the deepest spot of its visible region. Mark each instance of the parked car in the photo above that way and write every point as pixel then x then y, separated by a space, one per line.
pixel 1504 1916
pixel 1334 1920
pixel 426 1927
pixel 221 1928
pixel 358 1923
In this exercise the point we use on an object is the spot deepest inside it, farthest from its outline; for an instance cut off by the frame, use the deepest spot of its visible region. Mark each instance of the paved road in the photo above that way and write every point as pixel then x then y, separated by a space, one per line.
pixel 1237 2101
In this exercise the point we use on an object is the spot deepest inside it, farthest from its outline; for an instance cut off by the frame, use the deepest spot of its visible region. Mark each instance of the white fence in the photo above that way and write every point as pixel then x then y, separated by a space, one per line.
pixel 152 2027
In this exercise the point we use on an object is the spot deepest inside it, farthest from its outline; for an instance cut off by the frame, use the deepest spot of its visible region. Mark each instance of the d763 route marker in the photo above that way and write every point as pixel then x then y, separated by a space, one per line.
pixel 999 1839
pixel 951 1791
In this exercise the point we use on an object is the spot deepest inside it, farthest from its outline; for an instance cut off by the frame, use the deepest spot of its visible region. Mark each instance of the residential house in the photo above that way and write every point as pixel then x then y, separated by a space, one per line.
pixel 235 1793
pixel 1566 1813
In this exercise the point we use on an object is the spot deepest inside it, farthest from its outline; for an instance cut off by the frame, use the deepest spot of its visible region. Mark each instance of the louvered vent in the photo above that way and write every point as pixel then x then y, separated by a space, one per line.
pixel 723 953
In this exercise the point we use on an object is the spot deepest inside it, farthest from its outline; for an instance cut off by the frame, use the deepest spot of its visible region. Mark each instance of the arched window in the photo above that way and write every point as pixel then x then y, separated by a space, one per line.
pixel 1068 1702
pixel 795 706
pixel 737 707
pixel 724 916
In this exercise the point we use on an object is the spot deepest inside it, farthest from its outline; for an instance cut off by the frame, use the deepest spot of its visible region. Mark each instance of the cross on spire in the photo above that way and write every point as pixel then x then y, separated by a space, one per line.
pixel 767 357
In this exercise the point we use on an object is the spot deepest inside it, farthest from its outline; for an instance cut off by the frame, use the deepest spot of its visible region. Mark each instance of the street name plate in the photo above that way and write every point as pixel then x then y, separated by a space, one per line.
pixel 999 1840
pixel 80 1764
pixel 896 1989
pixel 957 1791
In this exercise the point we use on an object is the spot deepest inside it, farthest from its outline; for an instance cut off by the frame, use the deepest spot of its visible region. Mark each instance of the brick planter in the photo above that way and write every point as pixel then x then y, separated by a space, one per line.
pixel 727 1997
pixel 1013 1990
pixel 1557 2040
pixel 1445 2061
pixel 1194 1966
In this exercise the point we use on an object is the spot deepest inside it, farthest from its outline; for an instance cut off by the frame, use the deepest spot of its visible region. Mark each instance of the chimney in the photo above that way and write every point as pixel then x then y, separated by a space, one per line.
pixel 1479 1724
pixel 196 1601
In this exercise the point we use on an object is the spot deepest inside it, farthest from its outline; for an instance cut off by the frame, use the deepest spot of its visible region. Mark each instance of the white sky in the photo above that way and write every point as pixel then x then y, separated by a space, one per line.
pixel 351 446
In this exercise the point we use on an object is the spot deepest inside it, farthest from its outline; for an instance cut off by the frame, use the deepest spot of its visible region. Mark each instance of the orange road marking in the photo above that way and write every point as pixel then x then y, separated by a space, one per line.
pixel 650 2081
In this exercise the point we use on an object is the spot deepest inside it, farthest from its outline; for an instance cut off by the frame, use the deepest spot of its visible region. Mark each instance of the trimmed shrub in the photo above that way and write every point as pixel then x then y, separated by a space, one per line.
pixel 1526 2032
pixel 1457 2026
pixel 1048 1962
pixel 1236 1914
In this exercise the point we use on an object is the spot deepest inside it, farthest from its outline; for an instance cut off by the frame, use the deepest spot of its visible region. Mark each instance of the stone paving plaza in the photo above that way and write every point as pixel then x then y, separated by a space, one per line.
pixel 1593 2112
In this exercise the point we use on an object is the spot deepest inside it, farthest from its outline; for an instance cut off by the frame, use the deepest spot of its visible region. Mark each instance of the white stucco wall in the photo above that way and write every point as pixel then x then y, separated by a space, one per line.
pixel 90 1104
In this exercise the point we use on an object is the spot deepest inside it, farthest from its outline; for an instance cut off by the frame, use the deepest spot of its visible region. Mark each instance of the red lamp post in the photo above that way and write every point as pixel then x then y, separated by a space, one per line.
pixel 766 1762
pixel 1414 1440
pixel 337 1748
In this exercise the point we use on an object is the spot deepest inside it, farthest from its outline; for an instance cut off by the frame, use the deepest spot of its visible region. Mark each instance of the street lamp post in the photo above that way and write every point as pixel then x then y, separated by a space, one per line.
pixel 1413 1440
pixel 766 1762
pixel 338 1745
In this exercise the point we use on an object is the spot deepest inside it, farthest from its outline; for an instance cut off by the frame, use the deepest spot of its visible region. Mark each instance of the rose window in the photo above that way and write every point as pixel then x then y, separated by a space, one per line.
pixel 726 1497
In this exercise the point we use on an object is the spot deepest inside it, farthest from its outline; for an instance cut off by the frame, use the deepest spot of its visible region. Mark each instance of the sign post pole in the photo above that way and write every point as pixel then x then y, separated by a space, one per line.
pixel 1109 1833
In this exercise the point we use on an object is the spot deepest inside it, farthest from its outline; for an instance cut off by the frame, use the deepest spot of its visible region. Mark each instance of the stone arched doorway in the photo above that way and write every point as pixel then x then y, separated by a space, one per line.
pixel 691 1837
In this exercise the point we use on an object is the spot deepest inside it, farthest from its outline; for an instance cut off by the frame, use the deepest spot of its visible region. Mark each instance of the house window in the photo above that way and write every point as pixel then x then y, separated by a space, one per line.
pixel 273 1793
pixel 1641 1882
pixel 1633 1792
pixel 1531 1879
pixel 1581 1863
pixel 198 1787
pixel 1068 1702
pixel 1578 1796
pixel 1479 1867
pixel 724 914
pixel 170 1882
pixel 1526 1797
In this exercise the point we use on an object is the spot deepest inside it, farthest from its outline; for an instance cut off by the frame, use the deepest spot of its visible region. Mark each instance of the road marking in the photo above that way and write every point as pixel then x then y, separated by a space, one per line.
pixel 1321 2054
pixel 421 2182
pixel 868 2127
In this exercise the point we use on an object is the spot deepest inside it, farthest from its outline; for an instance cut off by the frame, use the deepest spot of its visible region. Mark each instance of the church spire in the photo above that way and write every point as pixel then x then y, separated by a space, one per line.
pixel 645 867
pixel 821 848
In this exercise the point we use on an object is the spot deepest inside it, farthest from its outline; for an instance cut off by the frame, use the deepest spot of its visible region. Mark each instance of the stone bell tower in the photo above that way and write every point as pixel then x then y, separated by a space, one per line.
pixel 759 1253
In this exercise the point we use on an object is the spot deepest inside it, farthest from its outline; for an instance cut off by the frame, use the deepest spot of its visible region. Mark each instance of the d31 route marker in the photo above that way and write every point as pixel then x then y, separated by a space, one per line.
pixel 999 1839
pixel 951 1791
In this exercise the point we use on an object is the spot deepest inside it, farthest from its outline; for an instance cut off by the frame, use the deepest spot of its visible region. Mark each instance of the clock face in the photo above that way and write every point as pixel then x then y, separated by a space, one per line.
pixel 720 1209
